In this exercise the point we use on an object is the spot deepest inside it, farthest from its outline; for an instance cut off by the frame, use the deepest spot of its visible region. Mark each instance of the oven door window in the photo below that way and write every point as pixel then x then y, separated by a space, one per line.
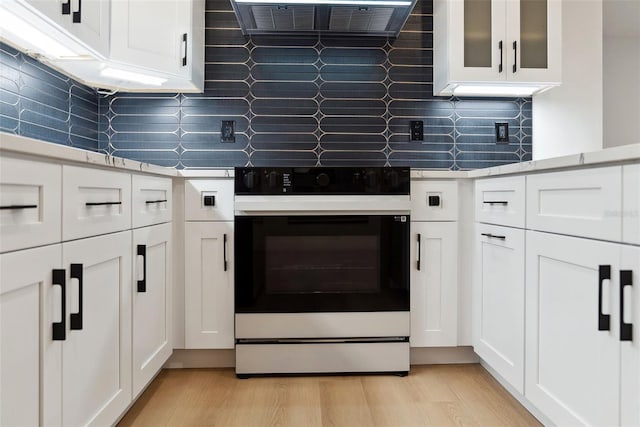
pixel 288 264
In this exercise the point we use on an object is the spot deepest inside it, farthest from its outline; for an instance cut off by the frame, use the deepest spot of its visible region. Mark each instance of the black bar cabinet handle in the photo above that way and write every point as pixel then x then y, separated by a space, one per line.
pixel 17 207
pixel 76 318
pixel 77 15
pixel 224 250
pixel 66 7
pixel 626 329
pixel 102 203
pixel 515 56
pixel 150 202
pixel 500 65
pixel 142 284
pixel 60 328
pixel 604 320
pixel 184 58
pixel 494 236
pixel 496 202
pixel 419 251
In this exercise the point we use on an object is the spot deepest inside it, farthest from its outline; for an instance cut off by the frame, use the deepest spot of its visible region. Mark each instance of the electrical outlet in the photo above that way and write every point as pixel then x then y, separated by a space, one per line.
pixel 417 130
pixel 502 133
pixel 227 131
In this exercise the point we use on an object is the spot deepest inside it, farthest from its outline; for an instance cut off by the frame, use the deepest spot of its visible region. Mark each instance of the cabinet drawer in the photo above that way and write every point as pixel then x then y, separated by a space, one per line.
pixel 30 197
pixel 631 204
pixel 150 200
pixel 583 203
pixel 501 201
pixel 434 200
pixel 94 202
pixel 208 199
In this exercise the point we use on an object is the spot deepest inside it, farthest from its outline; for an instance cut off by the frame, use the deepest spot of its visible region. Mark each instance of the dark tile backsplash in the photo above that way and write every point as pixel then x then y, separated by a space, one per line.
pixel 302 101
pixel 38 102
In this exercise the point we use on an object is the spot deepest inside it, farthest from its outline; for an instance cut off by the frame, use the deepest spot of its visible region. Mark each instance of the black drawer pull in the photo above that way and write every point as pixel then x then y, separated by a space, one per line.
pixel 16 207
pixel 224 250
pixel 76 318
pixel 604 320
pixel 184 58
pixel 150 202
pixel 77 15
pixel 494 236
pixel 626 329
pixel 496 202
pixel 102 203
pixel 60 328
pixel 419 251
pixel 66 7
pixel 142 284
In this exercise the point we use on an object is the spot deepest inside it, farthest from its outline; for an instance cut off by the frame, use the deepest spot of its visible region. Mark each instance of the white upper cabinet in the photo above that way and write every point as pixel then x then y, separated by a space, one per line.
pixel 509 48
pixel 165 36
pixel 125 45
pixel 88 20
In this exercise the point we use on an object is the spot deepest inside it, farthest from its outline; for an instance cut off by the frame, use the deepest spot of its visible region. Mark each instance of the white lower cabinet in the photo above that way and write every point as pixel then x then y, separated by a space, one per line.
pixel 151 302
pixel 434 286
pixel 30 303
pixel 573 324
pixel 498 295
pixel 209 304
pixel 630 349
pixel 96 354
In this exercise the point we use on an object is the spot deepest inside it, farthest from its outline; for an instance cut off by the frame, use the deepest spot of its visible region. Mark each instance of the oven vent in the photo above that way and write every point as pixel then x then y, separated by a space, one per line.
pixel 349 19
pixel 284 18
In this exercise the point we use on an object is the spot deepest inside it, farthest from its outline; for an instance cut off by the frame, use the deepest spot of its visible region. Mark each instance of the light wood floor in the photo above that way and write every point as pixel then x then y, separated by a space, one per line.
pixel 432 395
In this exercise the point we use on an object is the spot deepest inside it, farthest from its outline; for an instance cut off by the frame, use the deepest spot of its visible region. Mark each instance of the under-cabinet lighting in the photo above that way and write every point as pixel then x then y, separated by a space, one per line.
pixel 132 77
pixel 495 90
pixel 37 41
pixel 332 2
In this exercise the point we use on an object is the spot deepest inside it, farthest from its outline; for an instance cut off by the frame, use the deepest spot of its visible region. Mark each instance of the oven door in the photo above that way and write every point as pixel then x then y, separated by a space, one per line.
pixel 329 263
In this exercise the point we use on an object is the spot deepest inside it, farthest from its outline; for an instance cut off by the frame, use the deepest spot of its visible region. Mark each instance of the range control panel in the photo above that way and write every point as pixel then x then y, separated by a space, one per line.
pixel 322 180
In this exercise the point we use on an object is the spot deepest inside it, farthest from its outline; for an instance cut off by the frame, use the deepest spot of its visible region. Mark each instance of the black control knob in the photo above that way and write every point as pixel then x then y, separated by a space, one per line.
pixel 272 179
pixel 393 179
pixel 250 180
pixel 371 180
pixel 323 179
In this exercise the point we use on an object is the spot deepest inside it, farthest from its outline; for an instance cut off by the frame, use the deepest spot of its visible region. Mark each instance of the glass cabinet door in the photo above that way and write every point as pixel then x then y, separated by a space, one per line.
pixel 477 33
pixel 535 40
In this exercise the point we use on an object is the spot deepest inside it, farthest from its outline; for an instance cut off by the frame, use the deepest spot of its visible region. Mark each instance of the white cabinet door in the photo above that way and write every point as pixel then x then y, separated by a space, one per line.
pixel 630 350
pixel 498 296
pixel 153 34
pixel 30 303
pixel 88 20
pixel 151 200
pixel 151 302
pixel 434 284
pixel 533 50
pixel 30 203
pixel 94 202
pixel 96 357
pixel 209 303
pixel 631 204
pixel 572 371
pixel 583 202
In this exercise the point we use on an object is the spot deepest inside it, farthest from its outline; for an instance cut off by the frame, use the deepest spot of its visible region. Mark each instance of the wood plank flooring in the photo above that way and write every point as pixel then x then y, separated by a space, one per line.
pixel 431 395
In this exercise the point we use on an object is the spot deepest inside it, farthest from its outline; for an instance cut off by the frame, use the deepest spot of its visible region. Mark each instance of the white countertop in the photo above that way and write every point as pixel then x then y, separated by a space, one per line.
pixel 622 154
pixel 29 146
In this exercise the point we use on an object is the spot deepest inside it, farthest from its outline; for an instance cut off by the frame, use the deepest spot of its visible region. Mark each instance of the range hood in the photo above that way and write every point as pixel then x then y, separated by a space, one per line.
pixel 339 17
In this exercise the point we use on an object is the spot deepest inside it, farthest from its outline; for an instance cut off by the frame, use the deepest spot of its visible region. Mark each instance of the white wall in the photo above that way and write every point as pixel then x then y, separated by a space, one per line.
pixel 569 119
pixel 621 69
